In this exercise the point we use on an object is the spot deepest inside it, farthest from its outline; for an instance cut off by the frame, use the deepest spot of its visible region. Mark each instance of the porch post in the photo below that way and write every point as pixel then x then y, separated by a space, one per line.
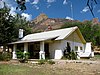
pixel 25 47
pixel 78 53
pixel 78 48
pixel 42 52
pixel 14 56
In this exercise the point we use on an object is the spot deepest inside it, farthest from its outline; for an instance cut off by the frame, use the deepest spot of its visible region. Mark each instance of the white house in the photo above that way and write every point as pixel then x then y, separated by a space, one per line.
pixel 52 44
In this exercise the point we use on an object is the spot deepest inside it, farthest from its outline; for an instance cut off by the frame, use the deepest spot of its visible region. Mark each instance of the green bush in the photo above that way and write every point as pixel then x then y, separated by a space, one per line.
pixel 23 57
pixel 20 54
pixel 1 57
pixel 5 56
pixel 73 55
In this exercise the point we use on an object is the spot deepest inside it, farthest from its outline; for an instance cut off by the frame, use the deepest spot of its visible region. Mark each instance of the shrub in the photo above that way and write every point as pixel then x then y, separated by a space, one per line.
pixel 5 56
pixel 23 57
pixel 20 54
pixel 73 55
pixel 70 55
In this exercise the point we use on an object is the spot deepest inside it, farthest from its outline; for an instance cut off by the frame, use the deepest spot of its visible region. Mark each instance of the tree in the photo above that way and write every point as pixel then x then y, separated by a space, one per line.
pixel 9 26
pixel 6 27
pixel 21 5
pixel 90 32
pixel 21 23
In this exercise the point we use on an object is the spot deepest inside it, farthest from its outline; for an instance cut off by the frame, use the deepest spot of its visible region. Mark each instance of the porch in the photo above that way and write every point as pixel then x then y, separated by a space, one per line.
pixel 37 50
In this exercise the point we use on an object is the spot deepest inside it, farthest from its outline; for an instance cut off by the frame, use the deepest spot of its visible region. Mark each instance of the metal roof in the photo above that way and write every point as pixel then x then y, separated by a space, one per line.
pixel 57 34
pixel 60 34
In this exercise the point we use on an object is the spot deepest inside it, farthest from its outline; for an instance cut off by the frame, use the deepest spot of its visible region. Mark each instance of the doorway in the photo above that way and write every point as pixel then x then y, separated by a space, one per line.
pixel 46 49
pixel 34 49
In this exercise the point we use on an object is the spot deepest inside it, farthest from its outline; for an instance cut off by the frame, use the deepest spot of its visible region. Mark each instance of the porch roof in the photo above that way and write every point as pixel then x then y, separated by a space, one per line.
pixel 35 40
pixel 59 34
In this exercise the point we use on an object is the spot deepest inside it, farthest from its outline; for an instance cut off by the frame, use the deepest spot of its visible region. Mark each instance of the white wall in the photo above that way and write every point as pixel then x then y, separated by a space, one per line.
pixel 56 48
pixel 59 46
pixel 53 47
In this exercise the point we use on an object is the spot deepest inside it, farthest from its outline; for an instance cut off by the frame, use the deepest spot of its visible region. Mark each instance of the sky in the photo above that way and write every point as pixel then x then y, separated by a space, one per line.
pixel 69 9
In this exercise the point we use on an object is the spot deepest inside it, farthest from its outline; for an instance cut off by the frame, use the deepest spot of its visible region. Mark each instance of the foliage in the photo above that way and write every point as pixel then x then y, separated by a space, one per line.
pixel 23 57
pixel 21 5
pixel 97 56
pixel 5 56
pixel 20 54
pixel 90 32
pixel 73 55
pixel 10 25
pixel 6 26
pixel 68 54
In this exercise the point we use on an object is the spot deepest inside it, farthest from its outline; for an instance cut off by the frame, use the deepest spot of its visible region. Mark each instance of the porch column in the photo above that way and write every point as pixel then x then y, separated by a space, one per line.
pixel 14 56
pixel 25 47
pixel 42 52
pixel 78 53
pixel 78 48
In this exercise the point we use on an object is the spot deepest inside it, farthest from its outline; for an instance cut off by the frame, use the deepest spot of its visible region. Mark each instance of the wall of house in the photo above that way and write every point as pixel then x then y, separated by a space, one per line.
pixel 56 48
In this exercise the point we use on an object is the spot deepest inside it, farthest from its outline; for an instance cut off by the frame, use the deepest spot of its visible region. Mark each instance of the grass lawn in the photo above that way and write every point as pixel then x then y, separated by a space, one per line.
pixel 11 69
pixel 97 56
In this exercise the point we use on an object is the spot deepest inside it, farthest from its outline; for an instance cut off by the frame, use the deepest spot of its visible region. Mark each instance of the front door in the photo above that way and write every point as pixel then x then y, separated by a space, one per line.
pixel 34 49
pixel 46 49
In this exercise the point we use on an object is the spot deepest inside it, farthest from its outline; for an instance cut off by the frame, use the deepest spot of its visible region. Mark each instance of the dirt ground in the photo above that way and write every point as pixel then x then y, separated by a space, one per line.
pixel 62 67
pixel 80 67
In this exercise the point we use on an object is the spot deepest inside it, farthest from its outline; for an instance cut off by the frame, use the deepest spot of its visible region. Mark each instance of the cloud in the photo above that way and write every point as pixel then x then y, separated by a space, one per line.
pixel 1 4
pixel 65 2
pixel 98 11
pixel 37 7
pixel 85 9
pixel 27 16
pixel 9 4
pixel 12 11
pixel 50 1
pixel 35 2
pixel 48 6
pixel 69 18
pixel 27 0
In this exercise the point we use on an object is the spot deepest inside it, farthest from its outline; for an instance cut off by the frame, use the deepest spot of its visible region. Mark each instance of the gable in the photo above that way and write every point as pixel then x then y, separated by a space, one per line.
pixel 76 37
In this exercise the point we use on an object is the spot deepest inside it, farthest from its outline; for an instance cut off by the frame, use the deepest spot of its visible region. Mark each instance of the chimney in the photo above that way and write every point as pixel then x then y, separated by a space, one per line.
pixel 20 33
pixel 49 28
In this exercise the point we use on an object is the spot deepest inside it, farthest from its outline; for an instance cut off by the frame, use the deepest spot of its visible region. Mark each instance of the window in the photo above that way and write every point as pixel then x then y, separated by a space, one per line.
pixel 76 48
pixel 81 48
